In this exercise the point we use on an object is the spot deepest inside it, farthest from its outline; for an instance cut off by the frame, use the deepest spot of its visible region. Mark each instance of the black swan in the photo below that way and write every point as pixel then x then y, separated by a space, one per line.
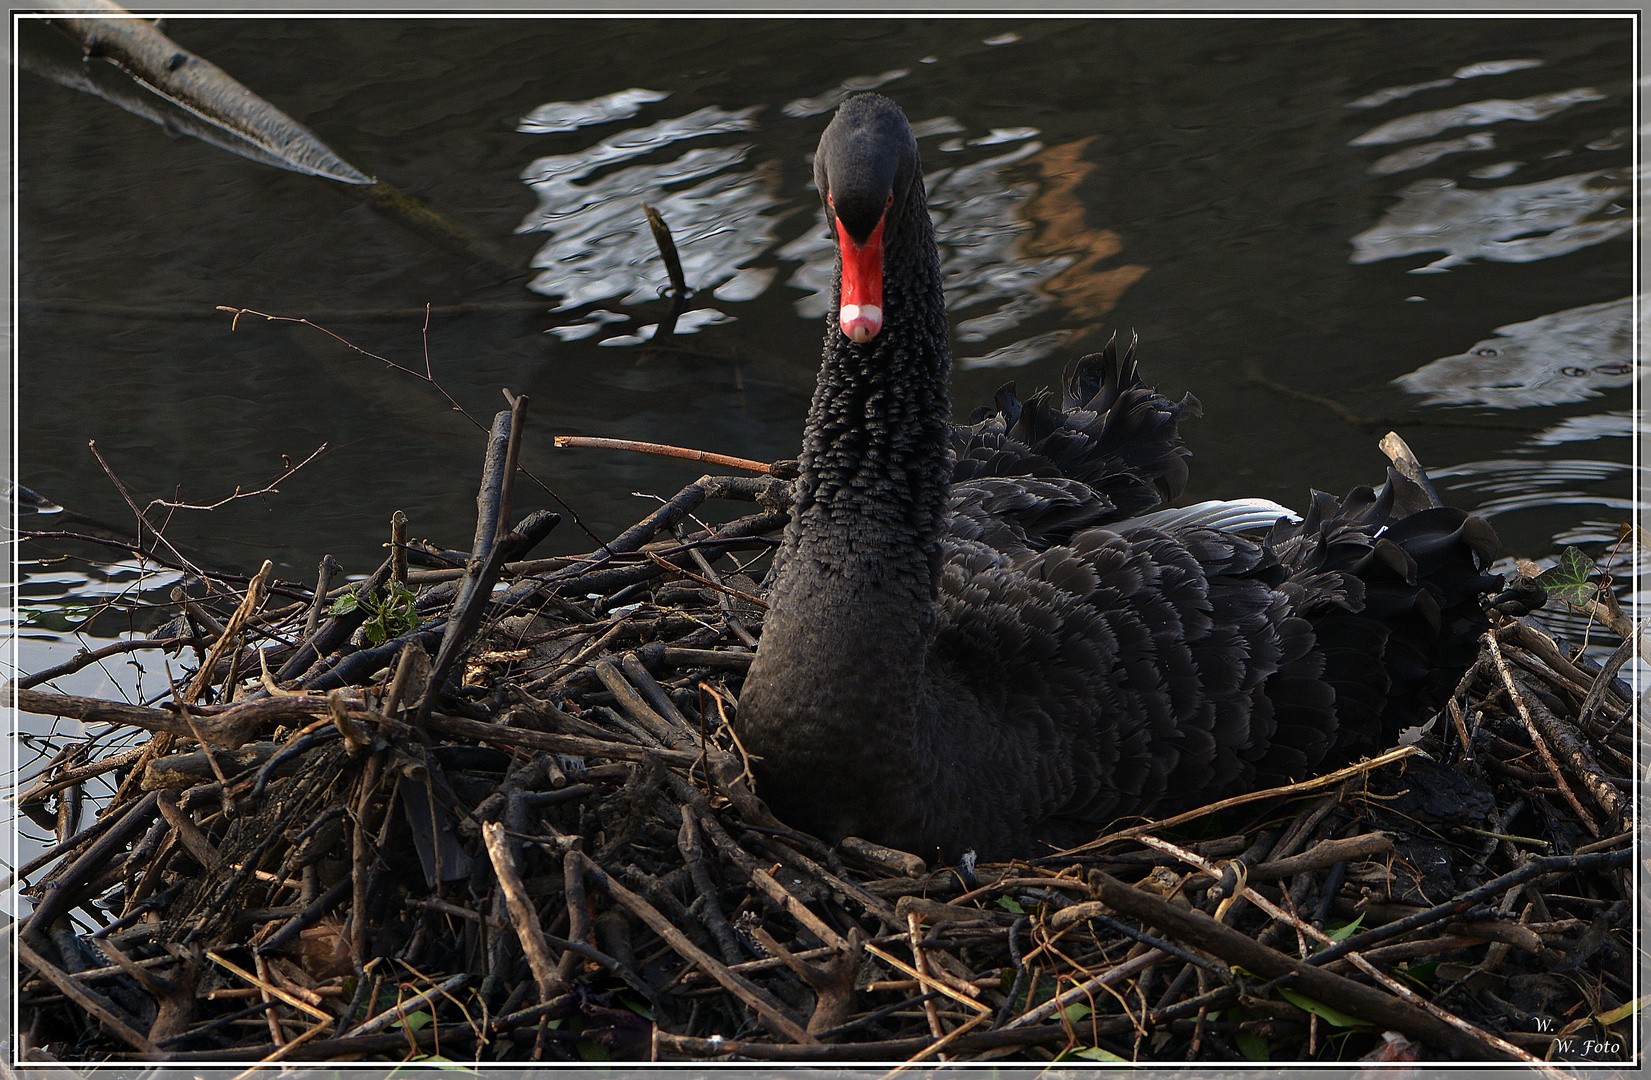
pixel 990 638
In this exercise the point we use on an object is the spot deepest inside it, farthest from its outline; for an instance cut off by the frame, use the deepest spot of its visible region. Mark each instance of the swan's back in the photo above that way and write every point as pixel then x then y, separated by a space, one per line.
pixel 1095 659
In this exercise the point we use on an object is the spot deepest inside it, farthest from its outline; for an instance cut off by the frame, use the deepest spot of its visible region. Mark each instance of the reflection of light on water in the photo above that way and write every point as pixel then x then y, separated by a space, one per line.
pixel 572 115
pixel 1472 71
pixel 829 100
pixel 1414 157
pixel 1529 483
pixel 1475 114
pixel 1010 250
pixel 1510 224
pixel 1614 424
pixel 601 247
pixel 1567 356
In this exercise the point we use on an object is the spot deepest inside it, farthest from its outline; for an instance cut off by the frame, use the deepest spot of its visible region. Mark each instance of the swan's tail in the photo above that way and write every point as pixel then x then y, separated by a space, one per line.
pixel 1109 432
pixel 1391 586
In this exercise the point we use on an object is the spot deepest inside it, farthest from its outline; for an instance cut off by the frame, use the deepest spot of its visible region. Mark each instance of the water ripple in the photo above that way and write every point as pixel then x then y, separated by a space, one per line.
pixel 1476 114
pixel 572 115
pixel 1508 224
pixel 1566 356
pixel 600 247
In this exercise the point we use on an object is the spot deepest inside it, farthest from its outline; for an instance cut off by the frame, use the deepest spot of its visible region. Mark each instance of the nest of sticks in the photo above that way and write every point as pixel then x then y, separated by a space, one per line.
pixel 521 828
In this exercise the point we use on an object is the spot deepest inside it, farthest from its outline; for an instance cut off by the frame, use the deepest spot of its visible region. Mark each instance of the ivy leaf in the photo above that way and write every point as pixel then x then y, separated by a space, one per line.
pixel 1009 903
pixel 1320 1009
pixel 1568 578
pixel 1076 1011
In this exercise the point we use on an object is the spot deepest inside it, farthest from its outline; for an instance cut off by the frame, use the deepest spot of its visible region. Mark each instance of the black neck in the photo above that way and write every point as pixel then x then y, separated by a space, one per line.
pixel 874 462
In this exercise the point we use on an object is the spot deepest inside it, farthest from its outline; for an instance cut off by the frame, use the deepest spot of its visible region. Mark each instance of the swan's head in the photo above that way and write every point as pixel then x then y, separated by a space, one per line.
pixel 866 170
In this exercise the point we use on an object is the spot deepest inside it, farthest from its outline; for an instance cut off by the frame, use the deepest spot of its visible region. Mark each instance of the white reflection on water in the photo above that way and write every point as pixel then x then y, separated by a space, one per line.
pixel 601 247
pixel 1423 125
pixel 829 100
pixel 1509 224
pixel 1535 484
pixel 572 115
pixel 1414 157
pixel 1618 423
pixel 1472 71
pixel 1567 356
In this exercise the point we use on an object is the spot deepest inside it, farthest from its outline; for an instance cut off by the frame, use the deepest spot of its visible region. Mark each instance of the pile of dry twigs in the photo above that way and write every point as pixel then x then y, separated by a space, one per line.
pixel 496 812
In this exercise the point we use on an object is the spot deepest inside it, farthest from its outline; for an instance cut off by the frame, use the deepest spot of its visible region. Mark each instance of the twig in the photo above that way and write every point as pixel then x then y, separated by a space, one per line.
pixel 270 988
pixel 591 442
pixel 927 981
pixel 412 1004
pixel 771 1011
pixel 249 604
pixel 1398 754
pixel 1489 1038
pixel 90 1000
pixel 1536 736
pixel 426 376
pixel 267 489
pixel 1198 929
pixel 755 601
pixel 132 502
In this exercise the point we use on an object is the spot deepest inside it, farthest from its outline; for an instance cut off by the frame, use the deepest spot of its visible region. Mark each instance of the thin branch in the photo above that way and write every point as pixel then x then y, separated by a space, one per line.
pixel 591 442
pixel 267 489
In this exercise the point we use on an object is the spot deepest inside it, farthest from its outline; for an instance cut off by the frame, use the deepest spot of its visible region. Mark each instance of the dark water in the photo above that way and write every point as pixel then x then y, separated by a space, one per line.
pixel 1292 213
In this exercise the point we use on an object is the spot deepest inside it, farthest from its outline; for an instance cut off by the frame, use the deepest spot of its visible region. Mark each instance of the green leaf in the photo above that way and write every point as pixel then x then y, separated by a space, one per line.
pixel 592 1051
pixel 1253 1046
pixel 1346 930
pixel 1320 1009
pixel 1009 903
pixel 1090 1053
pixel 637 1007
pixel 413 1021
pixel 1568 579
pixel 345 604
pixel 1620 1013
pixel 1076 1011
pixel 1420 974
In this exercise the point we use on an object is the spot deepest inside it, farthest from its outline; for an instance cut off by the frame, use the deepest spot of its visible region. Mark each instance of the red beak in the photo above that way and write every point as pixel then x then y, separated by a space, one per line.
pixel 861 313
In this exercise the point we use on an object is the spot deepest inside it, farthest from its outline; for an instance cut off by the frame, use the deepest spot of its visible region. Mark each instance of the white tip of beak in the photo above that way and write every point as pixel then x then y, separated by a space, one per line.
pixel 861 322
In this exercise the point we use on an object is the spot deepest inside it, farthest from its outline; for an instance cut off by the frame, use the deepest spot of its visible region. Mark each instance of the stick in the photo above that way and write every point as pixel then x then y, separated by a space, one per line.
pixel 771 1011
pixel 412 1004
pixel 927 981
pixel 1536 737
pixel 270 988
pixel 1398 754
pixel 1201 931
pixel 591 442
pixel 1495 1042
pixel 249 604
pixel 1582 764
pixel 90 1000
pixel 59 898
